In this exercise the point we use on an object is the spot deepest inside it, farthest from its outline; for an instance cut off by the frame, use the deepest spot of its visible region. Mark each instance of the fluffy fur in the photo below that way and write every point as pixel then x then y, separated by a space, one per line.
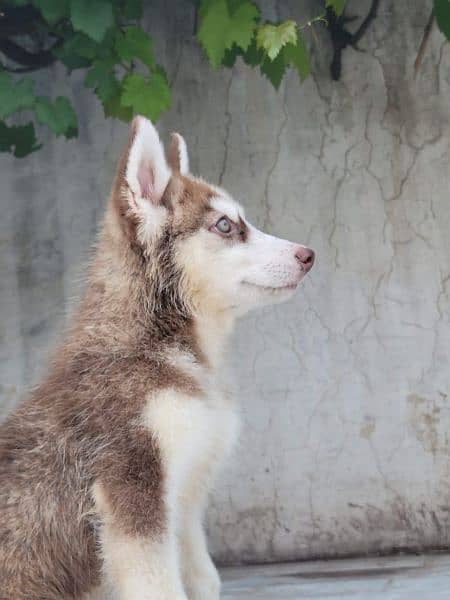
pixel 106 467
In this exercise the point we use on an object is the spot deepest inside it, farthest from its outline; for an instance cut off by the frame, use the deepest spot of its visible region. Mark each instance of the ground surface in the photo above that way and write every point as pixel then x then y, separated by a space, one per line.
pixel 405 578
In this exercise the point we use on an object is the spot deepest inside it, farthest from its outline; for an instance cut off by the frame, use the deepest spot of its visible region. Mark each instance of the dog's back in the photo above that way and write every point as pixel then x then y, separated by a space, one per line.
pixel 47 547
pixel 78 426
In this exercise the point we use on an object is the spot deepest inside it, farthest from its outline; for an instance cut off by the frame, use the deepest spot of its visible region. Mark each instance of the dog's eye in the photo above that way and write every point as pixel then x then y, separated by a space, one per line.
pixel 223 225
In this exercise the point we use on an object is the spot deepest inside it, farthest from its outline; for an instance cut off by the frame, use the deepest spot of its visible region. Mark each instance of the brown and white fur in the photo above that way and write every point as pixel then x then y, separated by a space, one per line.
pixel 106 467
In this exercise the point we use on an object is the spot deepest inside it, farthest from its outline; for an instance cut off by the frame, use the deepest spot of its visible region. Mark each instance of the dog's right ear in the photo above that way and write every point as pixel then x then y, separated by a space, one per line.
pixel 147 173
pixel 177 154
pixel 143 176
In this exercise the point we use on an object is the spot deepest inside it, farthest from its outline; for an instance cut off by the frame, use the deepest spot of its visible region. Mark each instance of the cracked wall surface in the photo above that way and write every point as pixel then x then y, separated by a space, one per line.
pixel 344 390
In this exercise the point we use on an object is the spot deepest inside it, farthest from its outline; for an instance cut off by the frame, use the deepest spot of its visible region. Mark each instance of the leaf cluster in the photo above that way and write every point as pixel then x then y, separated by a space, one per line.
pixel 102 37
pixel 105 39
pixel 233 28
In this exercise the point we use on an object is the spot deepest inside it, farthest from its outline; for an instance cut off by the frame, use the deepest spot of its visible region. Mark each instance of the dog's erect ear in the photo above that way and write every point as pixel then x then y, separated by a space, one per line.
pixel 147 173
pixel 177 154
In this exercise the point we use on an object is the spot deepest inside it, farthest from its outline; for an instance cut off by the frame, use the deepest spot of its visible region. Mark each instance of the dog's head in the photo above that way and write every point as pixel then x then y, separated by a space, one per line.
pixel 195 236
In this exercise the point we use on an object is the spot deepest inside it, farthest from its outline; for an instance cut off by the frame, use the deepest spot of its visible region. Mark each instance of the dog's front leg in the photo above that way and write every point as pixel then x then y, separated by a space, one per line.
pixel 138 567
pixel 200 576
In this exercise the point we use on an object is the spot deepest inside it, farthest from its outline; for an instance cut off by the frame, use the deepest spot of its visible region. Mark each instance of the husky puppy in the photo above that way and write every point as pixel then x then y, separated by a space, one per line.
pixel 105 468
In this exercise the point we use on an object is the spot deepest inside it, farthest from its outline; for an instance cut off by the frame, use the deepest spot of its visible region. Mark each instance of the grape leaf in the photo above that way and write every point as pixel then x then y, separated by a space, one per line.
pixel 337 5
pixel 102 79
pixel 148 98
pixel 273 37
pixel 253 55
pixel 230 56
pixel 442 13
pixel 15 95
pixel 24 140
pixel 213 32
pixel 204 6
pixel 135 43
pixel 52 10
pixel 92 17
pixel 274 70
pixel 132 9
pixel 106 48
pixel 20 139
pixel 298 57
pixel 242 27
pixel 295 55
pixel 220 30
pixel 77 51
pixel 5 142
pixel 113 107
pixel 59 116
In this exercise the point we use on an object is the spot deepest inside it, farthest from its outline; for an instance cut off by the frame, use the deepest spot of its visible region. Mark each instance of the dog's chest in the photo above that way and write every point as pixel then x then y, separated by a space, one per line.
pixel 194 433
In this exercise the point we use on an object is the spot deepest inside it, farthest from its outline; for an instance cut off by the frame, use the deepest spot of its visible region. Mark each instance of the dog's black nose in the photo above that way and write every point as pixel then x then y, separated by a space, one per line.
pixel 306 257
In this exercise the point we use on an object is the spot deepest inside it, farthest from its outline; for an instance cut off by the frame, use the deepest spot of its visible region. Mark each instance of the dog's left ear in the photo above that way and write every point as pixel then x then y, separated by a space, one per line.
pixel 177 154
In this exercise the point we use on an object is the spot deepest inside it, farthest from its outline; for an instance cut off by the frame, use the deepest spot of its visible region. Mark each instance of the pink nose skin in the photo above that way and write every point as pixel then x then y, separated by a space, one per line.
pixel 305 257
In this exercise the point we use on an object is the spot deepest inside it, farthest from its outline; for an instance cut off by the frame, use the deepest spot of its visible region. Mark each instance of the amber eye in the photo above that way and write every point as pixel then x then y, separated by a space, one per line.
pixel 223 225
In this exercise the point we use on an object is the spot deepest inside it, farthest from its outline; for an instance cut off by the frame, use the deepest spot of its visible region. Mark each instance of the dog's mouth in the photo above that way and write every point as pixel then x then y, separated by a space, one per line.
pixel 271 289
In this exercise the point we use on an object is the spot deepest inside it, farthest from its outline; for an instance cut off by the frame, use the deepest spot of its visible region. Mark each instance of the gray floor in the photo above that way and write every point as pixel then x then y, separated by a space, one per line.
pixel 403 577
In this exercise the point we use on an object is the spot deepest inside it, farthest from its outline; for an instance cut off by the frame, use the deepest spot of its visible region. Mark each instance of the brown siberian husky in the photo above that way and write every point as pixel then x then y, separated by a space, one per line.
pixel 105 469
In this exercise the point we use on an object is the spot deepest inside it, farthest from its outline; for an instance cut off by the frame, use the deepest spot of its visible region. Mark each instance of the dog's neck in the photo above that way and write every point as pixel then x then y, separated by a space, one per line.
pixel 213 332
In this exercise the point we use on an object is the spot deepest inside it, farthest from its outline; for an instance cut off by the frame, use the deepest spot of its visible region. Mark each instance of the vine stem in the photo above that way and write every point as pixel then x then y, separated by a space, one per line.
pixel 319 19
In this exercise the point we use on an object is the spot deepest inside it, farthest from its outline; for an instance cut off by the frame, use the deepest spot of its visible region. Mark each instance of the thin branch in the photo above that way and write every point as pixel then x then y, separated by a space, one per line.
pixel 28 60
pixel 423 43
pixel 18 69
pixel 18 20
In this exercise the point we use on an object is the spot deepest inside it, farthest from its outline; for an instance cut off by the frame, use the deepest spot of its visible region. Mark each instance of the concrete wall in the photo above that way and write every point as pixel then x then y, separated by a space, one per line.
pixel 345 390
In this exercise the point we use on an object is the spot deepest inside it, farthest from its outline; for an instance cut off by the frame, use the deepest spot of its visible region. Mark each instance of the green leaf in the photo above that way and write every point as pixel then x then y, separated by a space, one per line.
pixel 135 43
pixel 204 6
pixel 220 30
pixel 5 143
pixel 273 37
pixel 253 55
pixel 15 95
pixel 101 78
pixel 77 51
pixel 59 116
pixel 274 70
pixel 442 13
pixel 148 98
pixel 213 32
pixel 52 10
pixel 132 9
pixel 25 140
pixel 92 17
pixel 114 108
pixel 230 56
pixel 20 139
pixel 82 45
pixel 337 5
pixel 298 57
pixel 243 23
